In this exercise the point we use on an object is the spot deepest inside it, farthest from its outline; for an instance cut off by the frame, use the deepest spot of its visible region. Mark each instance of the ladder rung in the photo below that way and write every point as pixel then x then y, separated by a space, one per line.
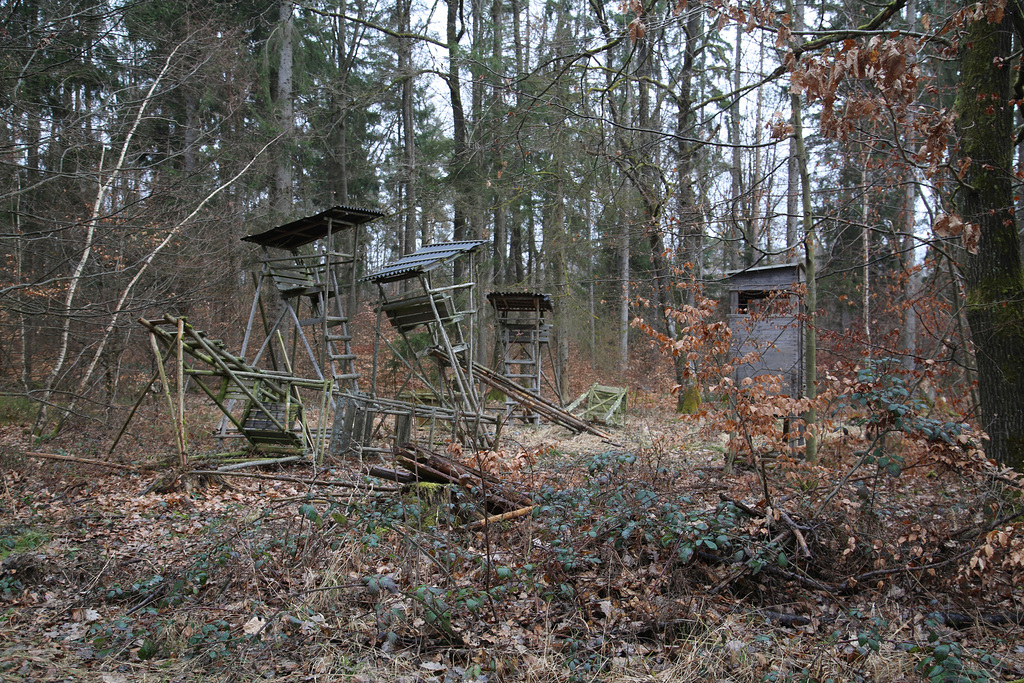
pixel 332 321
pixel 343 356
pixel 351 375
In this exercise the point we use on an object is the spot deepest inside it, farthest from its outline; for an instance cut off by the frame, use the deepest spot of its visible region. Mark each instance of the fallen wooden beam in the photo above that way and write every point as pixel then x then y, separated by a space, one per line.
pixel 470 476
pixel 493 519
pixel 84 461
pixel 258 463
pixel 391 475
pixel 298 480
pixel 538 404
pixel 426 465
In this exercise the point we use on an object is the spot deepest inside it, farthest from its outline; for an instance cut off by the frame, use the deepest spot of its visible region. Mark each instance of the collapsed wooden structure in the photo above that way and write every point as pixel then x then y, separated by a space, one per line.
pixel 601 403
pixel 264 407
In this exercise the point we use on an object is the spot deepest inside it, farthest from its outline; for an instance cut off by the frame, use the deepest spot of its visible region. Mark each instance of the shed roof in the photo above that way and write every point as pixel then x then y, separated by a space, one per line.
pixel 520 301
pixel 311 228
pixel 424 259
pixel 764 275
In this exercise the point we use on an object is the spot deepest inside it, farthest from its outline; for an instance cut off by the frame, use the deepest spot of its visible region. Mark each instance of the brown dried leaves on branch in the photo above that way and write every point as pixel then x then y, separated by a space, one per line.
pixel 886 63
pixel 948 225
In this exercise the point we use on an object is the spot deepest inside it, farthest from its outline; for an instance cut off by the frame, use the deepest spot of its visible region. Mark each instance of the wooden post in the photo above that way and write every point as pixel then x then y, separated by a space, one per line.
pixel 167 393
pixel 182 438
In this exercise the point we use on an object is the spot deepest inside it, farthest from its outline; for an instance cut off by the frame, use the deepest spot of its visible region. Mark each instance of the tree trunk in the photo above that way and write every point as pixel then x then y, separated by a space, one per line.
pixel 908 333
pixel 688 398
pixel 866 253
pixel 406 68
pixel 793 166
pixel 556 250
pixel 285 113
pixel 993 274
pixel 740 243
pixel 809 243
pixel 516 270
pixel 624 296
pixel 460 153
pixel 497 194
pixel 811 297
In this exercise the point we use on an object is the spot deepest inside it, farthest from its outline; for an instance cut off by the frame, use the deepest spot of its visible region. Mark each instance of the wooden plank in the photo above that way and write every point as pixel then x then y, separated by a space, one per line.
pixel 408 314
pixel 493 519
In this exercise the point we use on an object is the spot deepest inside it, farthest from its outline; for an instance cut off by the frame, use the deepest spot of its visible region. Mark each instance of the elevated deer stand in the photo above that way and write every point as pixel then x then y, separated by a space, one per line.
pixel 303 276
pixel 282 401
pixel 765 317
pixel 523 335
pixel 432 357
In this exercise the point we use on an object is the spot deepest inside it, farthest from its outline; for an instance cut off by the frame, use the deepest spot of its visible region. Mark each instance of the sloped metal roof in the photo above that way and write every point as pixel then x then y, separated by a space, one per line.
pixel 520 301
pixel 311 228
pixel 424 259
pixel 795 265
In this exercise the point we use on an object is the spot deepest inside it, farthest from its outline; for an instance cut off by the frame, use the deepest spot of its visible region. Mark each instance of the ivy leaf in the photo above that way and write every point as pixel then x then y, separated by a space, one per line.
pixel 308 511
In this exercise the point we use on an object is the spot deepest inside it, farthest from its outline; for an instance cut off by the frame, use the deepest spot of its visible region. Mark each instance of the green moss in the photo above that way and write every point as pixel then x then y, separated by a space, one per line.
pixel 17 410
pixel 20 543
pixel 689 400
pixel 429 498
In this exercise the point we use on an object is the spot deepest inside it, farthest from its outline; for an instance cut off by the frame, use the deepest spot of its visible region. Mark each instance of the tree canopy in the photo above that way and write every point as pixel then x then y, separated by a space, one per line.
pixel 624 158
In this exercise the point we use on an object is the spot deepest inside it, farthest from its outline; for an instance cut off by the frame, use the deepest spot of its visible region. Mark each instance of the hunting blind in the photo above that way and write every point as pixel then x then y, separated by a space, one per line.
pixel 765 309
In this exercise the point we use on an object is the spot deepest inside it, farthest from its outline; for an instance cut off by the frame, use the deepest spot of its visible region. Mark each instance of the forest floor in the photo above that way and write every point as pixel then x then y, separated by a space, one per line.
pixel 643 561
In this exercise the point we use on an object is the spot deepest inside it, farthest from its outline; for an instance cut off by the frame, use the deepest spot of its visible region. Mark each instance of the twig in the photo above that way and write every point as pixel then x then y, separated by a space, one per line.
pixel 258 463
pixel 985 528
pixel 842 482
pixel 753 512
pixel 854 580
pixel 796 532
pixel 84 461
pixel 800 578
pixel 124 427
pixel 297 480
pixel 783 618
pixel 958 620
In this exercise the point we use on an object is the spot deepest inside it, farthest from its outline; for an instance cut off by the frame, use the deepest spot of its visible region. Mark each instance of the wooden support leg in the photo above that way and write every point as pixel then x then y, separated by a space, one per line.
pixel 167 394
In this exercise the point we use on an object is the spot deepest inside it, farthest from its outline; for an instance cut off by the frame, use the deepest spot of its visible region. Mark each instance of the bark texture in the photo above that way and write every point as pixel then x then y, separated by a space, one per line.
pixel 993 275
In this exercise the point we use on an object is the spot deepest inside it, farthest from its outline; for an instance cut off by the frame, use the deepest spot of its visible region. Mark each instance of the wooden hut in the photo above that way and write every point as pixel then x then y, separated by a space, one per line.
pixel 765 318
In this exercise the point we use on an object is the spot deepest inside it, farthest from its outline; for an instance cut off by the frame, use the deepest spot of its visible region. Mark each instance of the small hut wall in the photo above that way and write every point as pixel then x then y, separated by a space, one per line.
pixel 778 339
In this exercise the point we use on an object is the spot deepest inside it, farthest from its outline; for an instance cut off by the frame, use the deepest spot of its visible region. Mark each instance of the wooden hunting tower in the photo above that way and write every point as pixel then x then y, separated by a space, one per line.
pixel 281 392
pixel 430 362
pixel 523 335
pixel 765 317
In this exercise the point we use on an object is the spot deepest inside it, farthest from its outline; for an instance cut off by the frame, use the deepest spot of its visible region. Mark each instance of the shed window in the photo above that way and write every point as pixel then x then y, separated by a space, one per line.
pixel 750 300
